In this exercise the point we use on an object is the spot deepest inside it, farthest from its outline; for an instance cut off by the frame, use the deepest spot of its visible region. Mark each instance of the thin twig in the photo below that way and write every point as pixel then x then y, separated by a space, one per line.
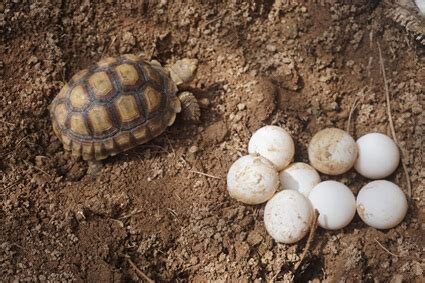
pixel 204 174
pixel 387 94
pixel 352 109
pixel 19 142
pixel 390 118
pixel 384 248
pixel 406 173
pixel 309 240
pixel 277 273
pixel 12 185
pixel 177 196
pixel 15 147
pixel 175 214
pixel 131 214
pixel 109 46
pixel 37 168
pixel 216 19
pixel 7 123
pixel 169 143
pixel 138 271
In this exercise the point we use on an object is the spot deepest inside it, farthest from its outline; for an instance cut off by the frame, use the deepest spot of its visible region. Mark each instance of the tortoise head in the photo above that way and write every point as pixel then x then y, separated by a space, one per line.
pixel 183 71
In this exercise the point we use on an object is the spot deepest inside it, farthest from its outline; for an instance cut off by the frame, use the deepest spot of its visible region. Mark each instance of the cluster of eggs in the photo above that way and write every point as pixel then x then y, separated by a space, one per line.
pixel 288 214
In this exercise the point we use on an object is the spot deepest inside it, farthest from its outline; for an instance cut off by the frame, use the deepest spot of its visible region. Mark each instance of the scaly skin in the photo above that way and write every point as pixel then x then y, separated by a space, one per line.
pixel 406 13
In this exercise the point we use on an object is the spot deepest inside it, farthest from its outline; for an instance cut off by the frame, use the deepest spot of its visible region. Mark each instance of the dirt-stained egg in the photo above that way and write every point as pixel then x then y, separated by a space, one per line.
pixel 335 203
pixel 288 216
pixel 381 204
pixel 273 143
pixel 378 156
pixel 299 176
pixel 332 151
pixel 252 179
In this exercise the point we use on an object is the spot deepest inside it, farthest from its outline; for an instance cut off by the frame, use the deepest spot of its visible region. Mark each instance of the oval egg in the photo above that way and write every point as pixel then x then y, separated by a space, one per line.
pixel 381 204
pixel 378 156
pixel 335 202
pixel 332 151
pixel 273 143
pixel 288 216
pixel 252 179
pixel 300 177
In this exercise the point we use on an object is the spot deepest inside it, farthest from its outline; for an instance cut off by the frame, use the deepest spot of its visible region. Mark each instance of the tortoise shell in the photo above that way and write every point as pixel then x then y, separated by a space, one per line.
pixel 113 106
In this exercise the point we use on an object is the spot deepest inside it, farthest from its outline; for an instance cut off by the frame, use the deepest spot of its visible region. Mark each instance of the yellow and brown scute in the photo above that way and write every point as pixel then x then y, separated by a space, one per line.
pixel 114 105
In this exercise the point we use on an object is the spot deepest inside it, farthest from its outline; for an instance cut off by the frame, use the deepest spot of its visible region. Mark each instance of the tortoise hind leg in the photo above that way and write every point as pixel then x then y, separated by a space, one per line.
pixel 190 106
pixel 94 167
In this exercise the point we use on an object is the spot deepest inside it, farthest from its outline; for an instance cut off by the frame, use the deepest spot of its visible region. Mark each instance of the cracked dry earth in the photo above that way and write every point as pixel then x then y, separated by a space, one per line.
pixel 299 66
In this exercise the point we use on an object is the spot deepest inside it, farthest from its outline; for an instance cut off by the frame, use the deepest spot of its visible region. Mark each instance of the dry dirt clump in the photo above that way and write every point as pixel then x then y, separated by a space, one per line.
pixel 163 206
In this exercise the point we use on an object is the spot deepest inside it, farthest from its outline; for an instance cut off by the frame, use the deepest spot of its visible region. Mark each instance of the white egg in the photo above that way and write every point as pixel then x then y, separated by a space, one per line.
pixel 273 143
pixel 332 151
pixel 288 216
pixel 378 156
pixel 381 204
pixel 300 177
pixel 335 202
pixel 421 6
pixel 252 179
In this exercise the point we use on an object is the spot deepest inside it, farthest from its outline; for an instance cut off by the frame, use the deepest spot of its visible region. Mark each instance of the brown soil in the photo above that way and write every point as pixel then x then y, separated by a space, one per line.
pixel 300 67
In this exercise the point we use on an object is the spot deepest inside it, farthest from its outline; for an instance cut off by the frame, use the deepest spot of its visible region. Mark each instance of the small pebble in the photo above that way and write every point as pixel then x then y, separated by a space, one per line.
pixel 193 149
pixel 241 106
pixel 271 47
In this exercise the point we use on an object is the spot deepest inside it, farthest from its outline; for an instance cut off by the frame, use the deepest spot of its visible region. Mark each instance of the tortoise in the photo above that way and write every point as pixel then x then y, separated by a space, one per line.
pixel 119 103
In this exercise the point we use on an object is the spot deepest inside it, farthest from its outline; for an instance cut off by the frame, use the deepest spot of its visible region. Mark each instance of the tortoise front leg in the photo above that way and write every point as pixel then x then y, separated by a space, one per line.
pixel 190 107
pixel 94 167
